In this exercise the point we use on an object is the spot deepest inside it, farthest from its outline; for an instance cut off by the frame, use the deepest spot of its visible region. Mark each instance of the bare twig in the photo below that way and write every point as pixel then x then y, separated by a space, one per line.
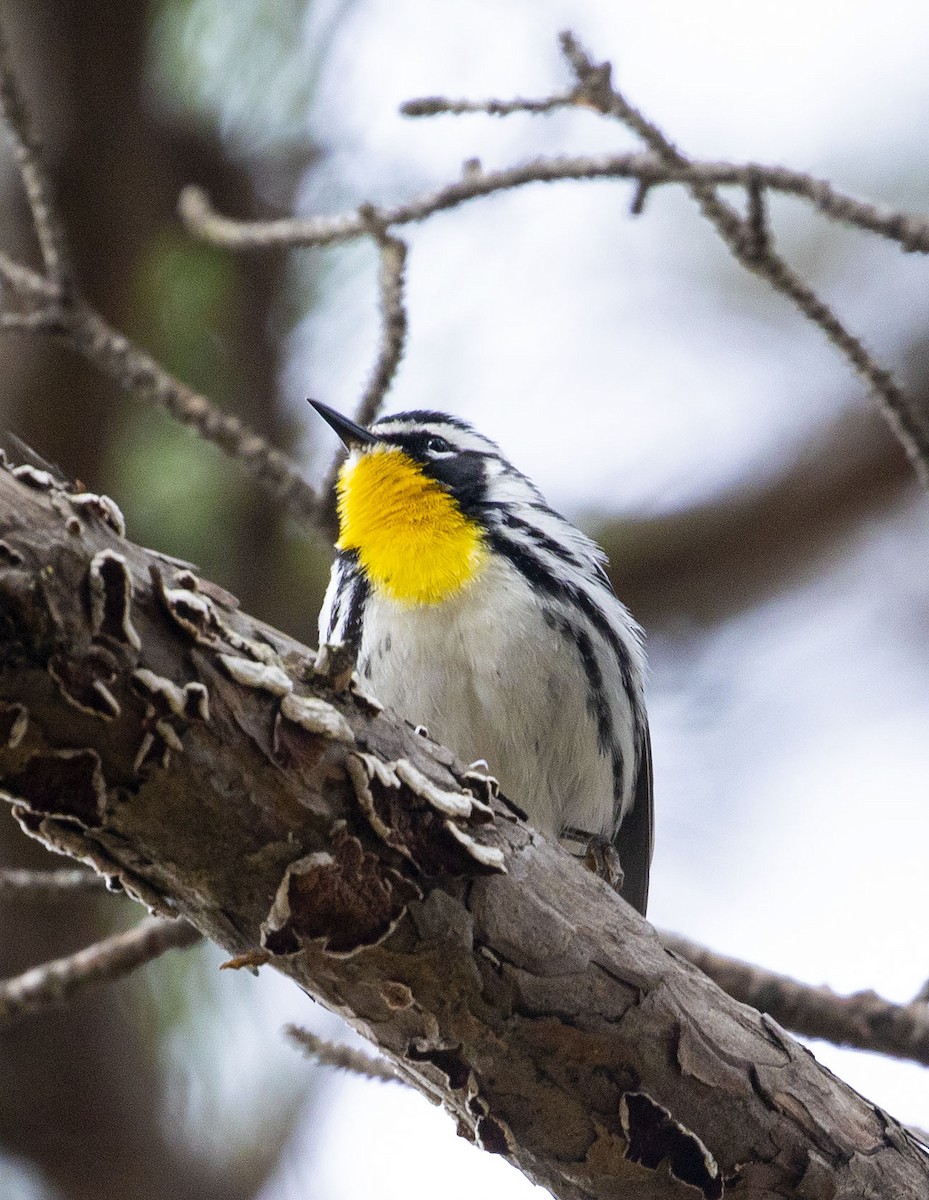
pixel 137 372
pixel 910 230
pixel 741 236
pixel 77 325
pixel 49 230
pixel 50 305
pixel 344 1058
pixel 434 106
pixel 639 197
pixel 56 884
pixel 863 1020
pixel 747 238
pixel 392 267
pixel 43 320
pixel 757 241
pixel 391 281
pixel 54 983
pixel 81 327
pixel 24 281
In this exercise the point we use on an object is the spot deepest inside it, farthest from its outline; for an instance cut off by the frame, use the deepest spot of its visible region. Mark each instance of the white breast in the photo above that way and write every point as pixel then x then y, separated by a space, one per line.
pixel 491 679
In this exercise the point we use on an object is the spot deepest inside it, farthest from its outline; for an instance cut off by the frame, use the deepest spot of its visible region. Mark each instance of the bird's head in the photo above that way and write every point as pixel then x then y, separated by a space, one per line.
pixel 414 498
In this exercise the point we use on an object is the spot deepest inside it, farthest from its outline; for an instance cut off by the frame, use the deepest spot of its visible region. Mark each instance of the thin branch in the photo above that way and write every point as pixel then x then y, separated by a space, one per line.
pixel 391 281
pixel 49 305
pixel 863 1020
pixel 140 375
pixel 758 241
pixel 639 197
pixel 344 1058
pixel 910 230
pixel 596 88
pixel 49 229
pixel 43 320
pixel 56 884
pixel 747 239
pixel 55 983
pixel 76 325
pixel 24 281
pixel 434 106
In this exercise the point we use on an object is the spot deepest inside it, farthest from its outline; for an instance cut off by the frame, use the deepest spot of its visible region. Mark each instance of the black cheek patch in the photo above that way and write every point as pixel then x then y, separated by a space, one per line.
pixel 463 475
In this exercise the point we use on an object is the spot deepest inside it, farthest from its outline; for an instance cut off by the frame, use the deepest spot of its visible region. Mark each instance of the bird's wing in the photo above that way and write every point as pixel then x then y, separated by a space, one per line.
pixel 635 836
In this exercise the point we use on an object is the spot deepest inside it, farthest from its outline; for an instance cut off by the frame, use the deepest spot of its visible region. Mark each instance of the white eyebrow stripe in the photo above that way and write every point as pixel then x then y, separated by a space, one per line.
pixel 459 439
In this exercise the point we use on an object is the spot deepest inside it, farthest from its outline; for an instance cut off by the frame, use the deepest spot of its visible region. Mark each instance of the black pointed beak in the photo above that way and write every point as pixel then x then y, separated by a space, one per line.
pixel 350 433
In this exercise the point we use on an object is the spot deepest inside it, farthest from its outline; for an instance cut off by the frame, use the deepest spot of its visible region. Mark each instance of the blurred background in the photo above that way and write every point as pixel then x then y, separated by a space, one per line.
pixel 761 522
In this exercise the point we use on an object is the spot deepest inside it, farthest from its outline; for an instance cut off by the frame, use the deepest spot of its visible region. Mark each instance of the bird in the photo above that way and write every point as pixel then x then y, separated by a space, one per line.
pixel 479 613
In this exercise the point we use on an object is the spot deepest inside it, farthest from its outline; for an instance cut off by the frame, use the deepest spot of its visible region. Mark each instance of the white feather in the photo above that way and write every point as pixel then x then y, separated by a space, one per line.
pixel 491 678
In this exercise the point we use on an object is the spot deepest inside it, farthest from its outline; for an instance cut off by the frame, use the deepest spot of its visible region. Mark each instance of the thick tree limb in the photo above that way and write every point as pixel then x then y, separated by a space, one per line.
pixel 723 555
pixel 205 762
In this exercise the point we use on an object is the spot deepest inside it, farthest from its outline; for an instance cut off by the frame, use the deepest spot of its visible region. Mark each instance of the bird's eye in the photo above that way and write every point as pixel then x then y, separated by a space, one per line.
pixel 438 445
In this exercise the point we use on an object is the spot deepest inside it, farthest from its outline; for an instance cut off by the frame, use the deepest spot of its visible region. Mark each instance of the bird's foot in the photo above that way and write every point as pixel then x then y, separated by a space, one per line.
pixel 601 858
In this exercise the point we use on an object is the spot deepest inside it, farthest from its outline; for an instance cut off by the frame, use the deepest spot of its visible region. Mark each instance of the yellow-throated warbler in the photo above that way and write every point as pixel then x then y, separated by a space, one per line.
pixel 478 611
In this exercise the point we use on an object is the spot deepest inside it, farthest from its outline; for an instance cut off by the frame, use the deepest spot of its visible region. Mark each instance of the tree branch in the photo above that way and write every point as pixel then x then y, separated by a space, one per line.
pixel 747 238
pixel 910 230
pixel 391 282
pixel 433 106
pixel 54 984
pixel 720 557
pixel 750 245
pixel 50 305
pixel 53 244
pixel 205 762
pixel 56 885
pixel 863 1020
pixel 343 1058
pixel 392 252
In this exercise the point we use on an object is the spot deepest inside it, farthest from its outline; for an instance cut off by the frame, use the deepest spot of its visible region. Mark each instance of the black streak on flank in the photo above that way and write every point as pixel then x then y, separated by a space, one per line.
pixel 347 566
pixel 543 541
pixel 597 702
pixel 541 575
pixel 356 605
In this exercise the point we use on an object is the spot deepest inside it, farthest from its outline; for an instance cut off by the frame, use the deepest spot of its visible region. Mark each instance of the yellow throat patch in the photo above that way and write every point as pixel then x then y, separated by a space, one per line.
pixel 412 539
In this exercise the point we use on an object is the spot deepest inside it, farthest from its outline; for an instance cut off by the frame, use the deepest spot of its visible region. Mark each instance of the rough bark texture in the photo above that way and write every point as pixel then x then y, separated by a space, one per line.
pixel 217 769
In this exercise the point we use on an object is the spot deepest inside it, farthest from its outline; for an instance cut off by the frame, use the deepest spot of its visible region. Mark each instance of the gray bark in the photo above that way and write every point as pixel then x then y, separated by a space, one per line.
pixel 217 770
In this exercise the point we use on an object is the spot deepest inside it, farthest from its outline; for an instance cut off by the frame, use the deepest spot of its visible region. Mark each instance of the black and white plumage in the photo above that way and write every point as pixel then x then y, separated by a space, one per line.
pixel 533 665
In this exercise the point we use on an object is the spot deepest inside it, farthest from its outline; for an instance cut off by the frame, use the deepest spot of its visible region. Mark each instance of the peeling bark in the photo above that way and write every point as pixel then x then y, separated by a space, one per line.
pixel 243 782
